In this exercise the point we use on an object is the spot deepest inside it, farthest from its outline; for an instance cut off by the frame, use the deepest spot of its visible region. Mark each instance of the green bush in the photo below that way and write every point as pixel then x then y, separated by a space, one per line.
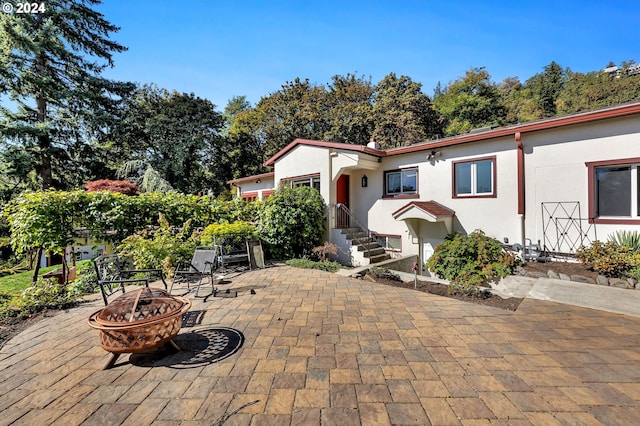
pixel 292 222
pixel 379 272
pixel 161 248
pixel 609 259
pixel 470 261
pixel 630 239
pixel 86 282
pixel 311 264
pixel 239 231
pixel 43 294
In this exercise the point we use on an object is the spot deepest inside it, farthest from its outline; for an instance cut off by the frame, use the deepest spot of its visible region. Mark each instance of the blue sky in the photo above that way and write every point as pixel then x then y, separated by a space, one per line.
pixel 220 49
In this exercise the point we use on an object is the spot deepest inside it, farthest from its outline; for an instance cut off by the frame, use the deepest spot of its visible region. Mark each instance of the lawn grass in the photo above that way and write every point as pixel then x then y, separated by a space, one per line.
pixel 16 283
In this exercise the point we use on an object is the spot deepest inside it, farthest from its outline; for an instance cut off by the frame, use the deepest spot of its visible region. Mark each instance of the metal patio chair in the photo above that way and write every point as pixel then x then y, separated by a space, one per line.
pixel 112 276
pixel 201 268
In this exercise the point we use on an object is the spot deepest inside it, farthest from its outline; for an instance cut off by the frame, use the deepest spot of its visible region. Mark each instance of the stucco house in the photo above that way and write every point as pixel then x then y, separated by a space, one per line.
pixel 253 188
pixel 560 182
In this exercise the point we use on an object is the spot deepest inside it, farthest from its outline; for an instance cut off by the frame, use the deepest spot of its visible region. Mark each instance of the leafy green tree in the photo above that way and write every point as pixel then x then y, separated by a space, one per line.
pixel 470 102
pixel 297 110
pixel 177 134
pixel 244 152
pixel 594 90
pixel 292 221
pixel 401 113
pixel 50 68
pixel 349 109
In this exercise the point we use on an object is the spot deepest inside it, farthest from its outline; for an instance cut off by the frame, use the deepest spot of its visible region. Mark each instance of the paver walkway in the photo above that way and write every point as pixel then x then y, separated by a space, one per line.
pixel 324 349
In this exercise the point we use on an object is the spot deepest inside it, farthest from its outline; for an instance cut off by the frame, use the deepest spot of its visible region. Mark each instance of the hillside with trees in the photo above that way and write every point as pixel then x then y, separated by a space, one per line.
pixel 62 124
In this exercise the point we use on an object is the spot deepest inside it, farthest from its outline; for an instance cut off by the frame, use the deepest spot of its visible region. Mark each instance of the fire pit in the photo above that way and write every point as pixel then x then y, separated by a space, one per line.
pixel 138 321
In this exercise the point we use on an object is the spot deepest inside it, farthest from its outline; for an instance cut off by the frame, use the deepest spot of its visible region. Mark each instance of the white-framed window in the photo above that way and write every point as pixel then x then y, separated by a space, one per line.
pixel 401 182
pixel 390 242
pixel 311 181
pixel 475 178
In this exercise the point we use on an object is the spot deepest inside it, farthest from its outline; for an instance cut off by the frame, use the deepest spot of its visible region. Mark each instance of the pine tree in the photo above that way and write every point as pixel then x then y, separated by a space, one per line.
pixel 50 70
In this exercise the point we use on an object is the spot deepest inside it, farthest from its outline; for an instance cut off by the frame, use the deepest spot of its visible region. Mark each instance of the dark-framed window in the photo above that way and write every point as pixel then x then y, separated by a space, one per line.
pixel 474 178
pixel 614 191
pixel 398 183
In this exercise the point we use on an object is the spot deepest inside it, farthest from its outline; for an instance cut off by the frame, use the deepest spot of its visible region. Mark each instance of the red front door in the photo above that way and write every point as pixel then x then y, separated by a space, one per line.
pixel 342 197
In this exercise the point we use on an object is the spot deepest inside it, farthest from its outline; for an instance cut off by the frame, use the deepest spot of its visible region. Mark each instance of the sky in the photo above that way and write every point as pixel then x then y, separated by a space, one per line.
pixel 220 49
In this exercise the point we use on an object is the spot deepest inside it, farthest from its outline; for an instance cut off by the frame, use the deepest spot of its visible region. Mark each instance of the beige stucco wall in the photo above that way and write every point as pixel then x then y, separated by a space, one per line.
pixel 253 186
pixel 555 169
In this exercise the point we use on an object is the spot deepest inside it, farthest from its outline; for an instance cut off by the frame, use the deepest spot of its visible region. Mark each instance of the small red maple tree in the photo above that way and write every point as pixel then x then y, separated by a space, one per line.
pixel 122 186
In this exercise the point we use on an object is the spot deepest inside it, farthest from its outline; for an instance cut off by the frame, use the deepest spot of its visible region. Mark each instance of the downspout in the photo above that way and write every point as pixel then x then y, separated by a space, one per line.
pixel 330 204
pixel 521 188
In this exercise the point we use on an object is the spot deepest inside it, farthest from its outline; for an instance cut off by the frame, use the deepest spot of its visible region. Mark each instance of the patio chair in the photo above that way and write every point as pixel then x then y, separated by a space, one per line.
pixel 231 251
pixel 202 267
pixel 112 276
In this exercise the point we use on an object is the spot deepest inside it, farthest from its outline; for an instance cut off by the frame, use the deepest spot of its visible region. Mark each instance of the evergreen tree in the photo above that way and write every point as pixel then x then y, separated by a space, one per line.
pixel 50 68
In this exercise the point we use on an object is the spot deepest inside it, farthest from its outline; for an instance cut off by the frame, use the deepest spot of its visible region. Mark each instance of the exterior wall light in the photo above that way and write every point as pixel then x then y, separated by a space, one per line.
pixel 365 181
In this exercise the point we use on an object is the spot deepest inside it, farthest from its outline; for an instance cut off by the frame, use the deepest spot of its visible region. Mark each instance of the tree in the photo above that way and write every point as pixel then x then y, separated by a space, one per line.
pixel 470 102
pixel 401 113
pixel 244 152
pixel 596 89
pixel 546 87
pixel 297 110
pixel 349 109
pixel 50 68
pixel 177 134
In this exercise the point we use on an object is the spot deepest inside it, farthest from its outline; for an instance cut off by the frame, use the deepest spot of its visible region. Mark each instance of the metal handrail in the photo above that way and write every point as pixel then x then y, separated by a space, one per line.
pixel 343 211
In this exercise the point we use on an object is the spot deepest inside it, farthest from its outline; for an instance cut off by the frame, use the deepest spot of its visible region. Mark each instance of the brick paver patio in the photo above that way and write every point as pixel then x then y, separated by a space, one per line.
pixel 324 349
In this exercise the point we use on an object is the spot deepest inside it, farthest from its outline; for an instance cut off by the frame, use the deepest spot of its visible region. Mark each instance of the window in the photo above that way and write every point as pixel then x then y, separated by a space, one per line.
pixel 614 191
pixel 390 242
pixel 311 181
pixel 475 178
pixel 401 182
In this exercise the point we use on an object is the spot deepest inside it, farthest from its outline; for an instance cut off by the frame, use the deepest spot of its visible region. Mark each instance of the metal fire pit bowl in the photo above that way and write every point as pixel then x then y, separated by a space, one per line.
pixel 138 321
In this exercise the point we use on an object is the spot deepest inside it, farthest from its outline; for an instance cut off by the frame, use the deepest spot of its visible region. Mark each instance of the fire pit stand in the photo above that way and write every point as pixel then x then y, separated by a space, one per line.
pixel 138 321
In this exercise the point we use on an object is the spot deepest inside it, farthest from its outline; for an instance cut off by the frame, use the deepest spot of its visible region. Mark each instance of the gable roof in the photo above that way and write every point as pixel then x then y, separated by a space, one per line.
pixel 432 208
pixel 476 136
pixel 323 144
pixel 250 178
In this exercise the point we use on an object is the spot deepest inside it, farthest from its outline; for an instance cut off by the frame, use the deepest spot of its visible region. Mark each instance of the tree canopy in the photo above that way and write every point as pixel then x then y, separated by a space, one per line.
pixel 63 124
pixel 50 69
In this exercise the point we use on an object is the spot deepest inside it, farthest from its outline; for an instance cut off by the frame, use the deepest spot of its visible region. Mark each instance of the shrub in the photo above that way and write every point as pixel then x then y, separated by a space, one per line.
pixel 161 248
pixel 86 282
pixel 122 186
pixel 609 259
pixel 292 221
pixel 236 231
pixel 630 239
pixel 379 272
pixel 310 264
pixel 324 251
pixel 43 294
pixel 470 261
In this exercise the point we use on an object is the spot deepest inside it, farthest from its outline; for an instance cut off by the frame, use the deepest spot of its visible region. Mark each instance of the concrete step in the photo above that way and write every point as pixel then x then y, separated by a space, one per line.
pixel 365 245
pixel 358 236
pixel 374 251
pixel 379 258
